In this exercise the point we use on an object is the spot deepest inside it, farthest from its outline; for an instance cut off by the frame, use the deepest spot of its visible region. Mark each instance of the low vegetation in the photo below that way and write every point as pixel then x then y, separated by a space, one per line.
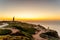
pixel 5 31
pixel 25 32
pixel 50 35
pixel 8 37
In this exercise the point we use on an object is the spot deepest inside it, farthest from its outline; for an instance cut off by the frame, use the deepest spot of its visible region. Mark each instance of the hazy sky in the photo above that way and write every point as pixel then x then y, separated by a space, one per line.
pixel 30 9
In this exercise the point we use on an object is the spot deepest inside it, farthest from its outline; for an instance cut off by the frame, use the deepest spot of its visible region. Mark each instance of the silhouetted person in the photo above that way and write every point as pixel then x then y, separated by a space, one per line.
pixel 13 19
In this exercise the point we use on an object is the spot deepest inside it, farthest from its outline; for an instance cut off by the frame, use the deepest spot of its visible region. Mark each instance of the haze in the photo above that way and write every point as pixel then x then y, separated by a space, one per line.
pixel 30 9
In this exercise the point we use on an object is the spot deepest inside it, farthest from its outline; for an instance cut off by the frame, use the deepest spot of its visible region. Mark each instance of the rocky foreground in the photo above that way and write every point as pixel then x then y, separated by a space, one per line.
pixel 25 31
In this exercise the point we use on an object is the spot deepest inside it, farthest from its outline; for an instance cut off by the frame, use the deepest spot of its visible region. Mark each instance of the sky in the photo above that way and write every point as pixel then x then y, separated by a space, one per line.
pixel 35 10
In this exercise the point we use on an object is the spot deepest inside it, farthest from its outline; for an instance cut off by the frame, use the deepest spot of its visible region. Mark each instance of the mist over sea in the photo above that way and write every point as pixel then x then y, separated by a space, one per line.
pixel 54 25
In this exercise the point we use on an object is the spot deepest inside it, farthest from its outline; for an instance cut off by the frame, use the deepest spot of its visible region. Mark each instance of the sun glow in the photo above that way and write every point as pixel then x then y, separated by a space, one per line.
pixel 26 16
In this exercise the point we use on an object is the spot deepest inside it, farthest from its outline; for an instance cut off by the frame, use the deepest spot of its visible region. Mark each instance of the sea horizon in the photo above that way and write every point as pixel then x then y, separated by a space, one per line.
pixel 54 25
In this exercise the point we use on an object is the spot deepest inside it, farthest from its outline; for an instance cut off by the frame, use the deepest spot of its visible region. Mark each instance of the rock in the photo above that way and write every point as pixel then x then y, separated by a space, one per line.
pixel 49 34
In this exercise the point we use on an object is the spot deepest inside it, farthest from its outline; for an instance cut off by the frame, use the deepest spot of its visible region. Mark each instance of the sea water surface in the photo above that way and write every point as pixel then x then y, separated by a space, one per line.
pixel 54 25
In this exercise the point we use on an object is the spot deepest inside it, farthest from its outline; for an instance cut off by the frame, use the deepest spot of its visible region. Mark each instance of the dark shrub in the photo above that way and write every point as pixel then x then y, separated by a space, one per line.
pixel 5 31
pixel 49 34
pixel 31 30
pixel 28 30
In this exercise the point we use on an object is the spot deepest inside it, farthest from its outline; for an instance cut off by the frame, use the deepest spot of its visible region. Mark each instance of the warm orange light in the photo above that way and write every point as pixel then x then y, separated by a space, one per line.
pixel 29 18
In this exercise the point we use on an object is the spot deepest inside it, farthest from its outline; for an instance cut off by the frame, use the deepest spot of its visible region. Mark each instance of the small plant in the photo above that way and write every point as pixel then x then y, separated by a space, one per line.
pixel 5 31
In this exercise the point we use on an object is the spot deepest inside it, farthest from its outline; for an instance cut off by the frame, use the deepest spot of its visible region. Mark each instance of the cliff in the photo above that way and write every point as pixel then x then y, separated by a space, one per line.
pixel 26 31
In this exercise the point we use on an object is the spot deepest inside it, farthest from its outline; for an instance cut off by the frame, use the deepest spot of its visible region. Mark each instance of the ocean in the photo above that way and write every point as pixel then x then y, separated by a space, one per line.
pixel 54 25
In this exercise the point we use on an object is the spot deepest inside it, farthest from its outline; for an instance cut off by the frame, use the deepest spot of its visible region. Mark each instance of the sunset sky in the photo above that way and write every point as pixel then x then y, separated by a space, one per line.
pixel 30 9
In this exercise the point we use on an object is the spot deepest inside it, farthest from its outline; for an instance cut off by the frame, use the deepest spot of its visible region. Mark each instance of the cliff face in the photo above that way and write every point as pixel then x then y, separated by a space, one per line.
pixel 30 31
pixel 49 34
pixel 45 34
